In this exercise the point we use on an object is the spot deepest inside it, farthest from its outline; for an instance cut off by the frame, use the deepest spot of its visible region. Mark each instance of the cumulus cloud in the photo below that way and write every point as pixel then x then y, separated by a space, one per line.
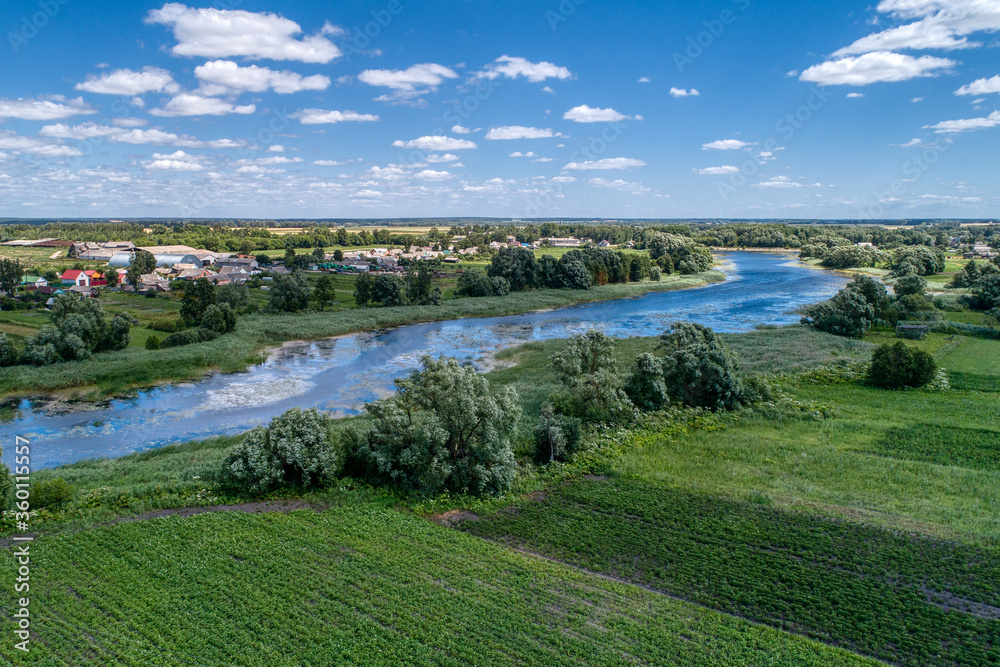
pixel 409 83
pixel 513 67
pixel 719 171
pixel 177 161
pixel 586 114
pixel 564 179
pixel 222 77
pixel 322 116
pixel 431 175
pixel 129 82
pixel 644 79
pixel 967 124
pixel 613 163
pixel 458 129
pixel 35 146
pixel 436 144
pixel 875 67
pixel 192 104
pixel 221 33
pixel 981 87
pixel 941 24
pixel 520 154
pixel 56 107
pixel 680 92
pixel 619 184
pixel 129 122
pixel 135 136
pixel 331 163
pixel 855 95
pixel 439 159
pixel 779 182
pixel 508 132
pixel 725 145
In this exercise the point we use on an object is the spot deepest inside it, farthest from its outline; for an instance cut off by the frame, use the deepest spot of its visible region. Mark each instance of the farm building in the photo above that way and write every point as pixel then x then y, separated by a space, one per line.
pixel 123 259
pixel 75 278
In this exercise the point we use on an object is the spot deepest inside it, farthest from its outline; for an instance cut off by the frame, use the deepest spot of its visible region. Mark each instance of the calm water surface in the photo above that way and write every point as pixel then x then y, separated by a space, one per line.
pixel 339 375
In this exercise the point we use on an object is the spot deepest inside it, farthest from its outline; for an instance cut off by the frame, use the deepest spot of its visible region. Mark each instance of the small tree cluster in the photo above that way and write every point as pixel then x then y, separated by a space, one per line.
pixel 445 429
pixel 380 290
pixel 898 366
pixel 294 450
pixel 592 387
pixel 852 311
pixel 79 328
pixel 289 294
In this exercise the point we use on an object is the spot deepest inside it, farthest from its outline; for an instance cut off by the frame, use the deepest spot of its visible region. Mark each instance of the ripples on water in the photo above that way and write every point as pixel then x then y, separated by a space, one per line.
pixel 339 375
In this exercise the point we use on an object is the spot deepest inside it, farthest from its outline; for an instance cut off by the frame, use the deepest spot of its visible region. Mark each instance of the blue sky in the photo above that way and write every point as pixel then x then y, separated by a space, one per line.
pixel 556 108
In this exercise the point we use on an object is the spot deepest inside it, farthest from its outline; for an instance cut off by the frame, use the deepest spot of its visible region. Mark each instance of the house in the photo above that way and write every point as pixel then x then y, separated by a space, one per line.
pixel 280 270
pixel 84 291
pixel 452 260
pixel 568 242
pixel 154 281
pixel 604 244
pixel 97 278
pixel 34 282
pixel 51 290
pixel 75 277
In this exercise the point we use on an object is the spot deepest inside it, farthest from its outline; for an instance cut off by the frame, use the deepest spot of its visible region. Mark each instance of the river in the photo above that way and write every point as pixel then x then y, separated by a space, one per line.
pixel 340 374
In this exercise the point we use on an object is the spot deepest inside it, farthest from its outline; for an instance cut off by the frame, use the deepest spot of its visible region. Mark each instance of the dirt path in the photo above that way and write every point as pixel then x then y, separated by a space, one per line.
pixel 260 507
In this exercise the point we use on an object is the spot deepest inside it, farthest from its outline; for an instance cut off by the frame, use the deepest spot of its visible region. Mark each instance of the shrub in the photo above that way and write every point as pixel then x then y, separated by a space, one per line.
pixel 294 450
pixel 51 493
pixel 219 318
pixel 846 314
pixel 237 296
pixel 986 293
pixel 593 390
pixel 556 436
pixel 898 365
pixel 165 324
pixel 153 343
pixel 199 335
pixel 445 429
pixel 645 386
pixel 698 368
pixel 910 285
pixel 8 353
pixel 654 273
pixel 289 294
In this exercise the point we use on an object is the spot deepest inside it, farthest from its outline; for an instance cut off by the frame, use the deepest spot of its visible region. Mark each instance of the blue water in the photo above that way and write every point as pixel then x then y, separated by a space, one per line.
pixel 340 374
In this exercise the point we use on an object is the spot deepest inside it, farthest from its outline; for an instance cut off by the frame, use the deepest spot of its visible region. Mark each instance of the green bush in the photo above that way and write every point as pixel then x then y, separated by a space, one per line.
pixel 295 450
pixel 898 365
pixel 219 318
pixel 199 335
pixel 153 343
pixel 698 368
pixel 51 493
pixel 8 353
pixel 165 324
pixel 557 437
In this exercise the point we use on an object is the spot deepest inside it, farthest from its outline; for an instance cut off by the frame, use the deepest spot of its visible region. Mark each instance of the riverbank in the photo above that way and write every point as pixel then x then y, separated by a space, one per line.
pixel 115 373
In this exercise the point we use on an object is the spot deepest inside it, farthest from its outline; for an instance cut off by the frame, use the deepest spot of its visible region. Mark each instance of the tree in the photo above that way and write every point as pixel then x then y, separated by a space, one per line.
pixel 445 429
pixel 846 314
pixel 294 450
pixel 289 294
pixel 143 263
pixel 219 318
pixel 557 436
pixel 234 294
pixel 119 333
pixel 325 292
pixel 698 368
pixel 8 353
pixel 418 283
pixel 112 276
pixel 645 387
pixel 318 255
pixel 586 368
pixel 198 296
pixel 380 290
pixel 338 255
pixel 10 274
pixel 986 293
pixel 517 265
pixel 910 285
pixel 898 365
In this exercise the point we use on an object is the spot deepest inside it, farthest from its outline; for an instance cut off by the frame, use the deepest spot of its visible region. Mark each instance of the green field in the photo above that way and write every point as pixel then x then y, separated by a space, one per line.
pixel 359 585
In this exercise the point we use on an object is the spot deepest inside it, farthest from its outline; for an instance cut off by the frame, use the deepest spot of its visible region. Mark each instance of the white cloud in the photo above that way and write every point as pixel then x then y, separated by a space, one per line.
pixel 276 148
pixel 439 159
pixel 53 108
pixel 520 154
pixel 644 79
pixel 223 77
pixel 129 82
pixel 508 132
pixel 331 163
pixel 513 67
pixel 779 182
pixel 564 179
pixel 912 142
pixel 177 161
pixel 619 184
pixel 606 163
pixel 544 159
pixel 322 116
pixel 680 92
pixel 190 104
pixel 586 114
pixel 941 24
pixel 431 175
pixel 221 33
pixel 408 83
pixel 129 122
pixel 854 95
pixel 874 67
pixel 917 99
pixel 725 145
pixel 269 161
pixel 458 129
pixel 435 143
pixel 35 146
pixel 981 87
pixel 719 171
pixel 966 125
pixel 548 89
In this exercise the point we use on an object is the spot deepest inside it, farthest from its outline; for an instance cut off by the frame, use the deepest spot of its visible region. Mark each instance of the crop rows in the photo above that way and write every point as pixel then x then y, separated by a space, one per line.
pixel 904 599
pixel 354 585
pixel 965 447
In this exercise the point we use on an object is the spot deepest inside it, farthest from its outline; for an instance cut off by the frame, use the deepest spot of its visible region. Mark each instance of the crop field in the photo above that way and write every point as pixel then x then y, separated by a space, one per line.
pixel 903 599
pixel 355 585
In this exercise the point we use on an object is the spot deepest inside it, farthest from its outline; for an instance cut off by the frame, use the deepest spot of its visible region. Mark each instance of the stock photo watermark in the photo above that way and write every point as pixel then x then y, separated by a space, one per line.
pixel 34 22
pixel 21 543
pixel 714 28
